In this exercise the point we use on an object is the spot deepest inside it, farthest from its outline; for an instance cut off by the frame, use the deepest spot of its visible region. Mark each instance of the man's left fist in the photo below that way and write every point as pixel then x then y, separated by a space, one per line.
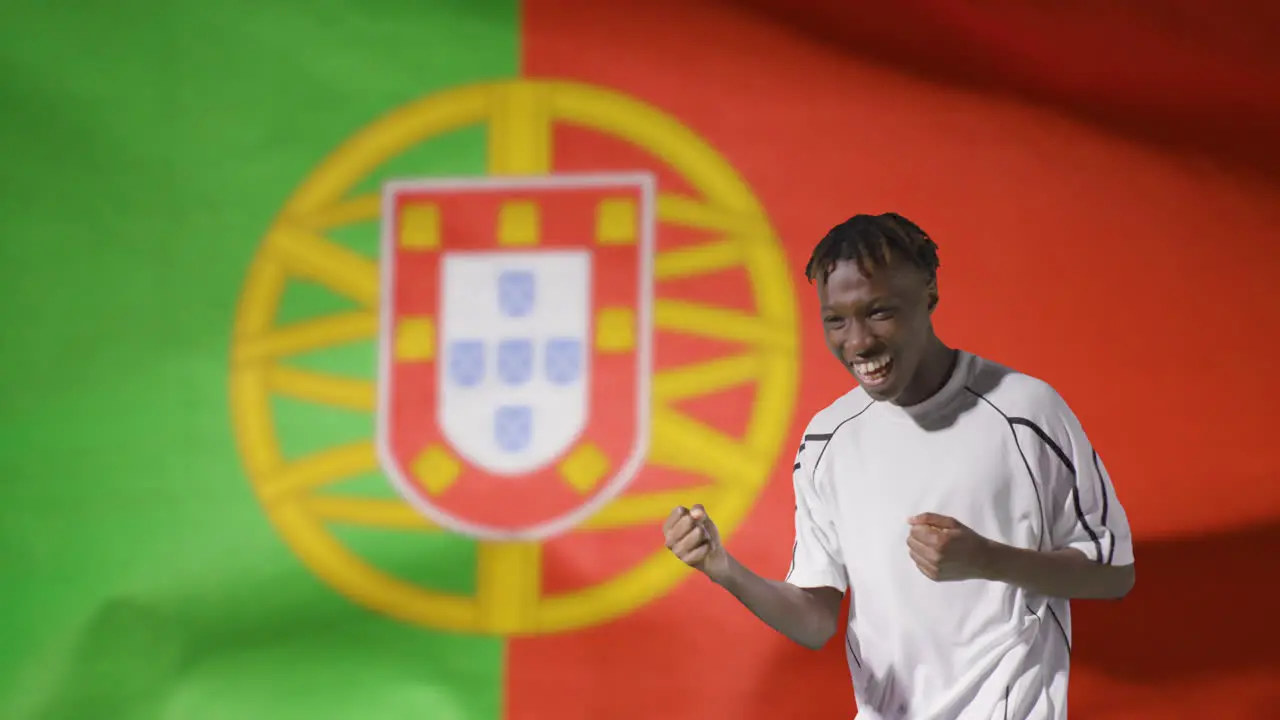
pixel 944 548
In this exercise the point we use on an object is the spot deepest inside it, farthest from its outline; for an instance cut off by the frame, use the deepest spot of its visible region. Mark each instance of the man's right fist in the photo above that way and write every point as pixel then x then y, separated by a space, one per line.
pixel 691 536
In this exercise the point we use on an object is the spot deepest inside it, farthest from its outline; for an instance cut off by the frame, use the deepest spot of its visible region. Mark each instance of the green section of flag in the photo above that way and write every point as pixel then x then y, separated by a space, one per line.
pixel 147 146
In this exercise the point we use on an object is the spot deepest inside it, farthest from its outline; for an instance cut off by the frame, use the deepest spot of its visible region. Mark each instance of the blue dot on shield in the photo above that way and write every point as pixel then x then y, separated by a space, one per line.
pixel 515 361
pixel 466 362
pixel 513 427
pixel 564 360
pixel 516 293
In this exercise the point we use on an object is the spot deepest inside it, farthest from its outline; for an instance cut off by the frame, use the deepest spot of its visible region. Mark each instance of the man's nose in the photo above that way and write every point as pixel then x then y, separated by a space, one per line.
pixel 857 342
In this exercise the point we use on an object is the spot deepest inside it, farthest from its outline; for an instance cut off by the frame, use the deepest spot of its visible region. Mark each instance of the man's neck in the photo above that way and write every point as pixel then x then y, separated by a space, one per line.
pixel 934 372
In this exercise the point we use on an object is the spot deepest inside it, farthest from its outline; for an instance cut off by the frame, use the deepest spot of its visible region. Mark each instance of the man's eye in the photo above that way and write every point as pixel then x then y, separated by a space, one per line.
pixel 881 314
pixel 831 320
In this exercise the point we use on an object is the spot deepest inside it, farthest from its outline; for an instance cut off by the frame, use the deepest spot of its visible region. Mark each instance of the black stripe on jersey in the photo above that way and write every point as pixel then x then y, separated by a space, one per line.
pixel 1047 441
pixel 848 642
pixel 795 545
pixel 1035 484
pixel 1102 487
pixel 1106 504
pixel 825 439
pixel 1075 482
pixel 1065 638
pixel 1066 461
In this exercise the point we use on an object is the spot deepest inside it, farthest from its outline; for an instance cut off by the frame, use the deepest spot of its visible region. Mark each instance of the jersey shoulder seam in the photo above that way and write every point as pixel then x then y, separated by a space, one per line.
pixel 828 421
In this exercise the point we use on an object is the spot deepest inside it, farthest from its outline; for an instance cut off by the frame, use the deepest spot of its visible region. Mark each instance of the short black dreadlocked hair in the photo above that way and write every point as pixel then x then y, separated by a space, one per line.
pixel 869 240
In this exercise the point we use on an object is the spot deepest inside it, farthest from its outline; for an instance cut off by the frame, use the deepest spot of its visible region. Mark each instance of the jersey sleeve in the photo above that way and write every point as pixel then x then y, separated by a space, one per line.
pixel 815 557
pixel 1083 509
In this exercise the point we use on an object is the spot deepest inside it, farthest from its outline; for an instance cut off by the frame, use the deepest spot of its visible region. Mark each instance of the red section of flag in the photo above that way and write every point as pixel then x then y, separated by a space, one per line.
pixel 1134 280
pixel 1184 73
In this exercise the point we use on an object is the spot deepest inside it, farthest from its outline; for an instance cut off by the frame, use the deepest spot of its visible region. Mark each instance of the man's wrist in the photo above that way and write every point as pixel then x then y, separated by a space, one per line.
pixel 998 561
pixel 725 574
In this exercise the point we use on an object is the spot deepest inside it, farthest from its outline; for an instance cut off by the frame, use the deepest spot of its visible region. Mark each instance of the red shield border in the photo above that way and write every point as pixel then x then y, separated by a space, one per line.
pixel 411 447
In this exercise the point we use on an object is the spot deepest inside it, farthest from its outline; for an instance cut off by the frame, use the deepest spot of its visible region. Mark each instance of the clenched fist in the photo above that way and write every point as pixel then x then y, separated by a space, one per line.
pixel 944 548
pixel 691 536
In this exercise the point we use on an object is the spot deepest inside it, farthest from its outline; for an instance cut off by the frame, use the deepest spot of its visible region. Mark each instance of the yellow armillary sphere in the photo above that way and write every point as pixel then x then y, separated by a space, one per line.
pixel 508 597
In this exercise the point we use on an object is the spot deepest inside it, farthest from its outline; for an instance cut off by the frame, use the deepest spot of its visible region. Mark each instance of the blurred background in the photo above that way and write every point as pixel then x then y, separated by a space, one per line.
pixel 194 522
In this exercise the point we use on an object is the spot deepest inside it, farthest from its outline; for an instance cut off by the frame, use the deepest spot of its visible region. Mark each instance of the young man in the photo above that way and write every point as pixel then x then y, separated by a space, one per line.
pixel 959 503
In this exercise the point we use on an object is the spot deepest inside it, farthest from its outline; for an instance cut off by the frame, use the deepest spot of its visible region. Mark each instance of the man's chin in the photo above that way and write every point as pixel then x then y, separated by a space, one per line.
pixel 880 394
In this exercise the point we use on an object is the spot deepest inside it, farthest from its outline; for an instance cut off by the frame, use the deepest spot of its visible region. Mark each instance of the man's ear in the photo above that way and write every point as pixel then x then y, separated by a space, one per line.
pixel 933 294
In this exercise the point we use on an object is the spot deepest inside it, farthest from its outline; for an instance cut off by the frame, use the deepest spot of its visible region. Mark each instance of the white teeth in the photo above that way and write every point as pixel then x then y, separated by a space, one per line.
pixel 867 368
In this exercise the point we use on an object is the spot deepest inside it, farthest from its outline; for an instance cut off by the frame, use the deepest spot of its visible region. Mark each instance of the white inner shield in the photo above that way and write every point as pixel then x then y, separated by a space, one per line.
pixel 514 361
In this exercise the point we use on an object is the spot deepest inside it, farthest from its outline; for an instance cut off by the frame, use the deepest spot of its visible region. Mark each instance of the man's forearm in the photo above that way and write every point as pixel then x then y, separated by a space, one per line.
pixel 792 611
pixel 1058 573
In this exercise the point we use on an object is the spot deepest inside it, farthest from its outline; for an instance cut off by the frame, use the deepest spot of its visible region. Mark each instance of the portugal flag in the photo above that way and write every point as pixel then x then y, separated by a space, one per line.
pixel 355 352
